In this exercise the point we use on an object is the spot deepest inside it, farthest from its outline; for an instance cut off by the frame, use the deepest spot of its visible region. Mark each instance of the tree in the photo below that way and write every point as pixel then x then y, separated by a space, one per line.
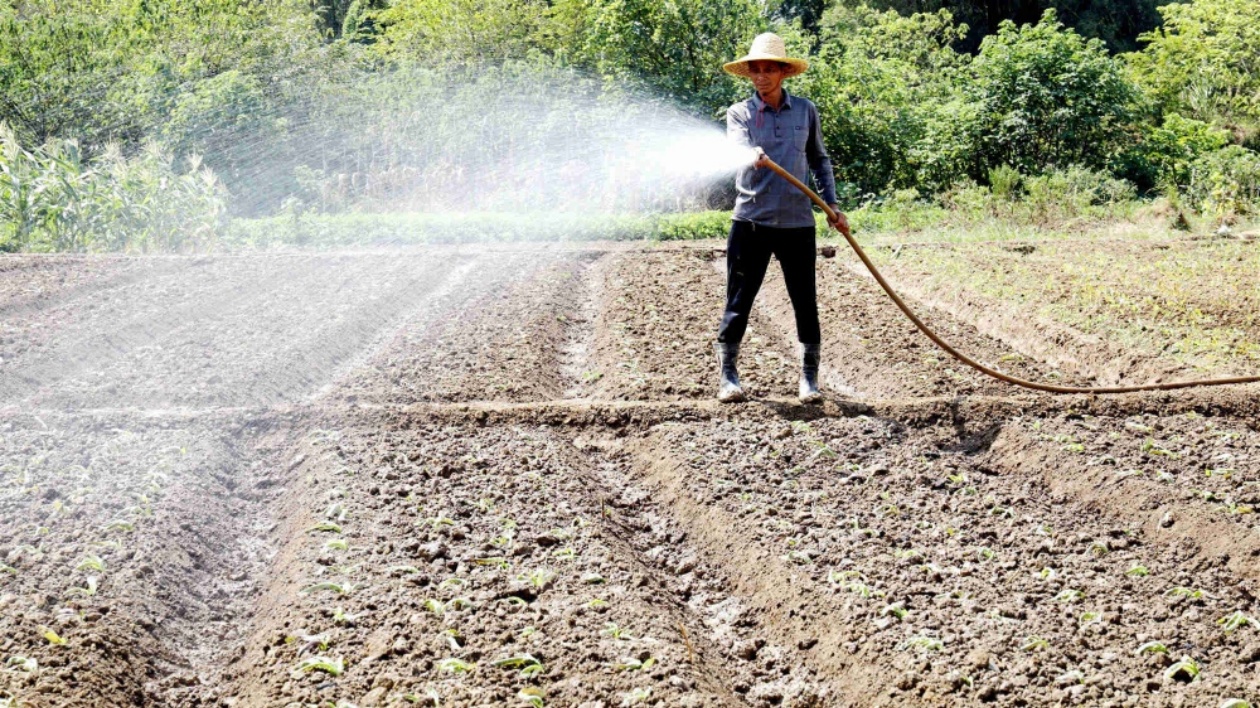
pixel 1046 97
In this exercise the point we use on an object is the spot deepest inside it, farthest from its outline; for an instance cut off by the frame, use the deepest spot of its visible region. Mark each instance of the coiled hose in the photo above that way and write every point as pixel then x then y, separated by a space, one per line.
pixel 1035 385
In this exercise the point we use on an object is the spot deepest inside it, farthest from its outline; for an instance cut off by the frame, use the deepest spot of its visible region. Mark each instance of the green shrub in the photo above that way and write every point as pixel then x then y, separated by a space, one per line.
pixel 1225 183
pixel 1162 155
pixel 1004 181
pixel 54 199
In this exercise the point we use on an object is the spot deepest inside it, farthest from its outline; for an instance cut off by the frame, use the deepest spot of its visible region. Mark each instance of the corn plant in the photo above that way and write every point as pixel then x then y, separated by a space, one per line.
pixel 330 666
pixel 1138 571
pixel 1186 669
pixel 597 603
pixel 121 526
pixel 1152 648
pixel 617 632
pixel 340 616
pixel 52 637
pixel 1069 595
pixel 1234 703
pixel 22 663
pixel 1186 593
pixel 532 696
pixel 435 606
pixel 456 666
pixel 88 590
pixel 337 544
pixel 328 586
pixel 6 568
pixel 91 562
pixel 925 643
pixel 325 527
pixel 1236 621
pixel 631 663
pixel 1035 644
pixel 527 663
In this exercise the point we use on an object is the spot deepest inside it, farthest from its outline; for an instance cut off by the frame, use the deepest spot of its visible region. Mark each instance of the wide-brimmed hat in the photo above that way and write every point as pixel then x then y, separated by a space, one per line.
pixel 767 47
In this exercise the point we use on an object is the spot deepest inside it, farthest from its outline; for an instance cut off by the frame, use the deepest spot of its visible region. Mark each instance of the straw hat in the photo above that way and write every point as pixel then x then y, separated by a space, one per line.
pixel 768 46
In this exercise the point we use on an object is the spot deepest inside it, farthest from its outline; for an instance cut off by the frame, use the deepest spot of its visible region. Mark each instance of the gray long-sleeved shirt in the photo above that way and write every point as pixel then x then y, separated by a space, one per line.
pixel 792 137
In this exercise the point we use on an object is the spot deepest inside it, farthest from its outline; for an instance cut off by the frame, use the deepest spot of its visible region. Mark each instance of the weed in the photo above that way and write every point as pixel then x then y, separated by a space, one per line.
pixel 332 667
pixel 338 588
pixel 1035 644
pixel 1152 648
pixel 1235 621
pixel 456 666
pixel 1186 669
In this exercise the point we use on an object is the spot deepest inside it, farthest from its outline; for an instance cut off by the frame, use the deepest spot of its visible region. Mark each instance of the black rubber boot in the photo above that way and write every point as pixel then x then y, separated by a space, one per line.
pixel 729 391
pixel 810 356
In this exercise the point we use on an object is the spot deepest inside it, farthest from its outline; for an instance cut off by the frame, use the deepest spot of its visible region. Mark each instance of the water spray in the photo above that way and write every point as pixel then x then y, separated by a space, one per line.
pixel 949 349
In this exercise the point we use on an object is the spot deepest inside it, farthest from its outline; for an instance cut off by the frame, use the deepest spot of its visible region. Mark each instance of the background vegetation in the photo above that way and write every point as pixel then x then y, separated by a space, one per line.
pixel 138 124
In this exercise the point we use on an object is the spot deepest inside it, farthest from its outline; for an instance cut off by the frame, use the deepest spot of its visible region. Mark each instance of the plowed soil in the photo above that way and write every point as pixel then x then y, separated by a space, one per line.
pixel 496 477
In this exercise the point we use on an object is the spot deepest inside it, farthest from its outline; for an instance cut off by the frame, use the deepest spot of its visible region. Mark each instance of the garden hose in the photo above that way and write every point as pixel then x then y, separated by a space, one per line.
pixel 1037 386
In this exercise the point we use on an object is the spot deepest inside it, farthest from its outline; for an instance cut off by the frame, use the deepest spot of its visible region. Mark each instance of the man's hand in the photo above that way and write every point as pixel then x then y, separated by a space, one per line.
pixel 841 222
pixel 762 160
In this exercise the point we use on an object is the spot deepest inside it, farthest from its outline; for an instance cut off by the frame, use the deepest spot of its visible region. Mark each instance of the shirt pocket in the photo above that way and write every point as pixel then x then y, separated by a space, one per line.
pixel 800 137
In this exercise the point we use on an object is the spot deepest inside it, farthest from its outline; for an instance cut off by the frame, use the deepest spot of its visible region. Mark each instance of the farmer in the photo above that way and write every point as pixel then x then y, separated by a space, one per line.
pixel 771 216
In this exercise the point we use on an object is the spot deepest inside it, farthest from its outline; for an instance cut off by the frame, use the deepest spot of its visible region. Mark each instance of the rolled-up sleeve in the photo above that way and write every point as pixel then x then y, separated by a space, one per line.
pixel 737 127
pixel 816 155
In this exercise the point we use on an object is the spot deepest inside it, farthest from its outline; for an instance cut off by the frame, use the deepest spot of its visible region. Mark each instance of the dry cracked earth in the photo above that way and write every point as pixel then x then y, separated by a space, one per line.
pixel 494 476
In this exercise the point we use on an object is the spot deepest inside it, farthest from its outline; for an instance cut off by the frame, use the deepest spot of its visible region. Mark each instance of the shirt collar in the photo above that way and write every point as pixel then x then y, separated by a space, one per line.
pixel 760 105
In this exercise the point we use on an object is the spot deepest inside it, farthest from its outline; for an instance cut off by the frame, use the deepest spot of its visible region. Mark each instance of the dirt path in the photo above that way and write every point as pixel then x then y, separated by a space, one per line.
pixel 495 476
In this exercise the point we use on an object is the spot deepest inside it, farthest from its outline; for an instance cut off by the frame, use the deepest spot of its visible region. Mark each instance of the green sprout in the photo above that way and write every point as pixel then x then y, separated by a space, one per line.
pixel 986 553
pixel 1138 571
pixel 593 579
pixel 532 696
pixel 896 609
pixel 1187 669
pixel 456 666
pixel 1235 703
pixel 633 664
pixel 91 562
pixel 1235 621
pixel 338 588
pixel 924 643
pixel 637 696
pixel 527 663
pixel 1186 592
pixel 52 637
pixel 497 561
pixel 565 554
pixel 88 590
pixel 120 525
pixel 597 603
pixel 1089 617
pixel 1035 644
pixel 6 568
pixel 450 583
pixel 404 570
pixel 616 632
pixel 326 527
pixel 1069 595
pixel 340 616
pixel 1152 648
pixel 435 606
pixel 332 667
pixel 337 544
pixel 22 663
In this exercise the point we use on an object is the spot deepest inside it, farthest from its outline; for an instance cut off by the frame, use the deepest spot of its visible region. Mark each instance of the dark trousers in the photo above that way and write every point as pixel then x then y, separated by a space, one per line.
pixel 748 252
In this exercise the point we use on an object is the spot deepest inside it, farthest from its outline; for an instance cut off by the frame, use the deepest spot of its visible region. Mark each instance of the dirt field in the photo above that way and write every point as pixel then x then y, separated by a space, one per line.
pixel 464 476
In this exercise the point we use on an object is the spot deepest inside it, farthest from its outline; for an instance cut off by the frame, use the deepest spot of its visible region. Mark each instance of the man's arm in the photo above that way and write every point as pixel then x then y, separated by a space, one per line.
pixel 737 127
pixel 820 167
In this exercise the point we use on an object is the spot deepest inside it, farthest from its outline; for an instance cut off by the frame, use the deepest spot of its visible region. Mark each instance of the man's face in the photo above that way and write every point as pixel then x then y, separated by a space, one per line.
pixel 766 76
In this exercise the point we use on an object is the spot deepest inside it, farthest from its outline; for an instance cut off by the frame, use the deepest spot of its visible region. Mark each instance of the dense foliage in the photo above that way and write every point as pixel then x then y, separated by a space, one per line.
pixel 932 99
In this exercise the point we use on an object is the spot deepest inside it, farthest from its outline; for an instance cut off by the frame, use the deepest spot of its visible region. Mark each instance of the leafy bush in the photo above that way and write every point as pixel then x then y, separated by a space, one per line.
pixel 1047 98
pixel 54 199
pixel 1225 183
pixel 1161 157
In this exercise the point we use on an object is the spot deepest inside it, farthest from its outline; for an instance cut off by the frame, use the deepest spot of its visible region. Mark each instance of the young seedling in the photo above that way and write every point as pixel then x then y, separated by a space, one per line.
pixel 435 606
pixel 986 553
pixel 22 663
pixel 6 568
pixel 565 554
pixel 1187 669
pixel 1138 571
pixel 459 603
pixel 1035 644
pixel 593 579
pixel 1186 593
pixel 896 609
pixel 1088 617
pixel 532 696
pixel 923 643
pixel 453 638
pixel 120 526
pixel 637 696
pixel 633 664
pixel 328 586
pixel 91 562
pixel 325 527
pixel 340 616
pixel 597 604
pixel 88 590
pixel 330 666
pixel 1069 595
pixel 1152 648
pixel 498 562
pixel 616 632
pixel 1235 621
pixel 1235 703
pixel 527 663
pixel 52 637
pixel 450 583
pixel 456 666
pixel 539 578
pixel 337 544
pixel 404 570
